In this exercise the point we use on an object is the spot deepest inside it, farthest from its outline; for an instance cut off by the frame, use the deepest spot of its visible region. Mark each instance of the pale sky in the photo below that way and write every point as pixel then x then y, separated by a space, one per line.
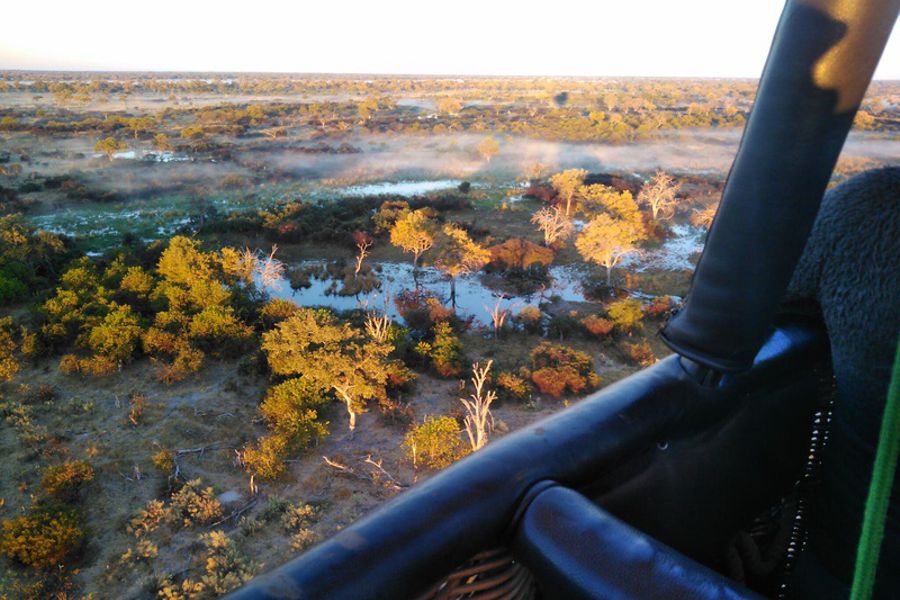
pixel 705 38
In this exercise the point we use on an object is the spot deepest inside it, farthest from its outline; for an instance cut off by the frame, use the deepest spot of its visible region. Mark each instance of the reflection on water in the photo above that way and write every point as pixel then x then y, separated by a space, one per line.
pixel 472 295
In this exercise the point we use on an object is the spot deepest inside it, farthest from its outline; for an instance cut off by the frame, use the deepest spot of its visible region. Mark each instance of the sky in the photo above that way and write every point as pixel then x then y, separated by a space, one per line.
pixel 686 38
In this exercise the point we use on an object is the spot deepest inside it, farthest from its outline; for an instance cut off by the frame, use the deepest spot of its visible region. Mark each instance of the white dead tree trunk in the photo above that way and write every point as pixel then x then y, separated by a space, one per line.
pixel 362 246
pixel 479 421
pixel 498 314
pixel 378 324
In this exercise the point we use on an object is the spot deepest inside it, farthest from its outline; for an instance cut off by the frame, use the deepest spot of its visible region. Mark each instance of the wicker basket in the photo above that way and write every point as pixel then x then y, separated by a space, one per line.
pixel 490 575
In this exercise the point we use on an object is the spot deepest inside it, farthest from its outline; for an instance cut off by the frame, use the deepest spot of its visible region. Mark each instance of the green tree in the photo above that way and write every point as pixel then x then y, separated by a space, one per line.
pixel 488 148
pixel 118 335
pixel 459 255
pixel 414 232
pixel 435 444
pixel 567 184
pixel 605 241
pixel 109 146
pixel 330 355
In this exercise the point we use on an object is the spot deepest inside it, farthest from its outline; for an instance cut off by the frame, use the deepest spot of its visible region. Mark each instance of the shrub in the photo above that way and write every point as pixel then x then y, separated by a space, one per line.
pixel 12 289
pixel 511 386
pixel 520 255
pixel 63 482
pixel 217 330
pixel 193 505
pixel 659 307
pixel 562 326
pixel 9 364
pixel 626 314
pixel 421 309
pixel 640 353
pixel 71 364
pixel 225 570
pixel 118 336
pixel 557 369
pixel 186 362
pixel 444 351
pixel 298 516
pixel 144 550
pixel 164 460
pixel 436 443
pixel 531 319
pixel 148 518
pixel 265 457
pixel 303 539
pixel 597 326
pixel 276 311
pixel 291 411
pixel 43 538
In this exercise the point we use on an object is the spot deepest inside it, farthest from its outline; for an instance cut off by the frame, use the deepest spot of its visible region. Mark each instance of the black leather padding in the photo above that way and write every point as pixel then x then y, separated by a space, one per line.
pixel 790 146
pixel 578 551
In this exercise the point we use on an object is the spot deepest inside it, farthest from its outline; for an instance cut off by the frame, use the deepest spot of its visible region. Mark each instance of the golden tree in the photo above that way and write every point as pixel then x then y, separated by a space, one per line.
pixel 459 255
pixel 658 195
pixel 109 146
pixel 413 232
pixel 448 105
pixel 488 148
pixel 599 197
pixel 567 184
pixel 606 240
pixel 330 355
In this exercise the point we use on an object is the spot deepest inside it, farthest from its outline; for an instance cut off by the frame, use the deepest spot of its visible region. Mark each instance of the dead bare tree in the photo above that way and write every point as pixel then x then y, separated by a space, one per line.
pixel 363 242
pixel 378 323
pixel 553 223
pixel 658 195
pixel 271 270
pixel 479 421
pixel 498 314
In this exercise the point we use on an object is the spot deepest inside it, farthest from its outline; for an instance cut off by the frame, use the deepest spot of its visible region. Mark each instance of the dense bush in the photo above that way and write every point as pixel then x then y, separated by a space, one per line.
pixel 422 310
pixel 626 314
pixel 44 537
pixel 658 307
pixel 557 370
pixel 562 325
pixel 63 482
pixel 639 353
pixel 194 505
pixel 435 444
pixel 9 363
pixel 531 319
pixel 224 570
pixel 597 326
pixel 443 351
pixel 520 255
pixel 512 387
pixel 265 457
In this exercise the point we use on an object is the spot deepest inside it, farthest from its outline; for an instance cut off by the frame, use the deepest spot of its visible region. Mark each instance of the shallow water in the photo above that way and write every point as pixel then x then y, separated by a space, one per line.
pixel 473 297
pixel 673 255
pixel 398 188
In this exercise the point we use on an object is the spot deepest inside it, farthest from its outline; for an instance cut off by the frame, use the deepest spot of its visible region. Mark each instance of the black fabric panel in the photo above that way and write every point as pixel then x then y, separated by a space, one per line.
pixel 851 267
